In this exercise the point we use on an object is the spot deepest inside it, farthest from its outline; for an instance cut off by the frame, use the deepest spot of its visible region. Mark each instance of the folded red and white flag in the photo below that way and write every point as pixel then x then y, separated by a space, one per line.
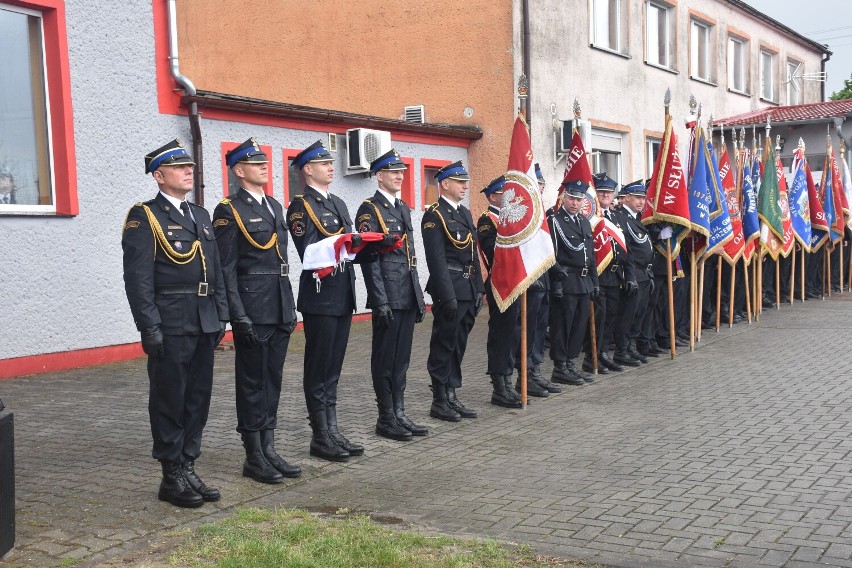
pixel 323 257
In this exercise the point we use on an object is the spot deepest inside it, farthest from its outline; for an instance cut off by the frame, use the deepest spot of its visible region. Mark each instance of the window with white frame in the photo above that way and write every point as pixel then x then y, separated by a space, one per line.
pixel 737 64
pixel 794 85
pixel 606 153
pixel 767 76
pixel 26 174
pixel 659 34
pixel 700 54
pixel 608 24
pixel 652 150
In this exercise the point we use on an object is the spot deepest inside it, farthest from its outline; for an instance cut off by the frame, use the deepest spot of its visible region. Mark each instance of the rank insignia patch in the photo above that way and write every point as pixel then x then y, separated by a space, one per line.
pixel 131 224
pixel 220 222
pixel 429 225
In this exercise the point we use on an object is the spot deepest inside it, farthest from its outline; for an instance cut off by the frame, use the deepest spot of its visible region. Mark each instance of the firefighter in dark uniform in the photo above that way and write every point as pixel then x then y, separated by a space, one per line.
pixel 251 233
pixel 455 284
pixel 538 314
pixel 503 334
pixel 326 304
pixel 394 295
pixel 640 251
pixel 173 280
pixel 573 280
pixel 617 278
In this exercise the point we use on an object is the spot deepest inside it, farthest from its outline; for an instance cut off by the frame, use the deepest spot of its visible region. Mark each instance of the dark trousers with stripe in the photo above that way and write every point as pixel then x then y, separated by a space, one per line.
pixel 259 373
pixel 449 342
pixel 325 346
pixel 392 353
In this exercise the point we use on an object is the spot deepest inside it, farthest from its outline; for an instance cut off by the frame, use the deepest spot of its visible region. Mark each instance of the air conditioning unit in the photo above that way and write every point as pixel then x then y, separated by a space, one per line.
pixel 566 134
pixel 363 146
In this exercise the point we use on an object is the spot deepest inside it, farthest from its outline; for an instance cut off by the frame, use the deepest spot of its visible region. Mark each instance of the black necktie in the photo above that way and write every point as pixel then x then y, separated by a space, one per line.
pixel 184 206
pixel 265 204
pixel 606 214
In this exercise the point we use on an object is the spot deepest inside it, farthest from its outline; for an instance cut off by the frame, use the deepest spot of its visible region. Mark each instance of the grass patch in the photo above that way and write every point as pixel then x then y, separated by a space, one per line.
pixel 259 538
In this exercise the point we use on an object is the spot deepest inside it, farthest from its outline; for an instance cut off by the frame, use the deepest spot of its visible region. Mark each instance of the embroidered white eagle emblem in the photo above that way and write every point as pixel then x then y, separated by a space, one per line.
pixel 512 209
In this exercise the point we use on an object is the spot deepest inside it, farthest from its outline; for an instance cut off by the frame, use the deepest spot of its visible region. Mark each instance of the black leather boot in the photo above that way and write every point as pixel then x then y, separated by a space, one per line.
pixel 499 397
pixel 387 425
pixel 511 392
pixel 339 439
pixel 256 466
pixel 175 489
pixel 635 354
pixel 322 446
pixel 207 493
pixel 565 374
pixel 588 366
pixel 533 388
pixel 605 360
pixel 457 405
pixel 267 441
pixel 405 421
pixel 535 374
pixel 623 357
pixel 440 408
pixel 578 373
pixel 560 372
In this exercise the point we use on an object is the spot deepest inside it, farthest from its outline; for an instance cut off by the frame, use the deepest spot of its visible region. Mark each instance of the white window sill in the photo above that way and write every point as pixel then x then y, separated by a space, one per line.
pixel 770 101
pixel 705 81
pixel 661 68
pixel 608 50
pixel 741 93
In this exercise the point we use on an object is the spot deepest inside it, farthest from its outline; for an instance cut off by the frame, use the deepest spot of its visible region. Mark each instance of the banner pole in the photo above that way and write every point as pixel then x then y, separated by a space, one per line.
pixel 593 337
pixel 828 266
pixel 840 278
pixel 701 264
pixel 672 345
pixel 732 296
pixel 759 300
pixel 718 294
pixel 693 291
pixel 793 276
pixel 778 283
pixel 747 289
pixel 524 355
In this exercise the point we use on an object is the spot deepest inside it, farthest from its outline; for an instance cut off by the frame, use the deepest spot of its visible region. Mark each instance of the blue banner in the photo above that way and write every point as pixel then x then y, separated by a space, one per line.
pixel 721 230
pixel 751 223
pixel 800 211
pixel 699 192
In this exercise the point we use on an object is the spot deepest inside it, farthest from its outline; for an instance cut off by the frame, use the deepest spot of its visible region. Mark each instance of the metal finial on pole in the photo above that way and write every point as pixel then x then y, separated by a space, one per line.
pixel 742 137
pixel 576 109
pixel 722 134
pixel 802 145
pixel 778 143
pixel 698 114
pixel 693 104
pixel 522 94
pixel 667 99
pixel 768 127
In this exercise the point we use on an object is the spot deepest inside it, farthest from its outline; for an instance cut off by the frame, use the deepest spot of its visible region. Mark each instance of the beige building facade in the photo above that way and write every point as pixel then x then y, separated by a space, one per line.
pixel 618 57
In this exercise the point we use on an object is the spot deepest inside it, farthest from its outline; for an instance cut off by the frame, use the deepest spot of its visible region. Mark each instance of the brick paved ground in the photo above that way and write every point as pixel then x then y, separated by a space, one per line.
pixel 735 455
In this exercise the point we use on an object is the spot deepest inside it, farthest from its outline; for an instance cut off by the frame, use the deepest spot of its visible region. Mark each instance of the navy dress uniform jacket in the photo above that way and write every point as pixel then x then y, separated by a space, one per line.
pixel 149 272
pixel 393 278
pixel 575 254
pixel 639 246
pixel 256 279
pixel 450 241
pixel 311 218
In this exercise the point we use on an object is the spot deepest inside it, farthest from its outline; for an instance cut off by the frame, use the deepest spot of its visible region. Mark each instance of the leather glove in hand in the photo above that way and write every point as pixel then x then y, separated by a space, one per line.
pixel 221 333
pixel 478 305
pixel 560 275
pixel 244 330
pixel 152 341
pixel 630 288
pixel 421 314
pixel 389 240
pixel 383 316
pixel 557 293
pixel 291 327
pixel 596 291
pixel 357 240
pixel 450 309
pixel 651 289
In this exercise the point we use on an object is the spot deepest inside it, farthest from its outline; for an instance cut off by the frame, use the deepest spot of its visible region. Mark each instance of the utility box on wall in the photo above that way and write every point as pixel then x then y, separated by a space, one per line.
pixel 7 481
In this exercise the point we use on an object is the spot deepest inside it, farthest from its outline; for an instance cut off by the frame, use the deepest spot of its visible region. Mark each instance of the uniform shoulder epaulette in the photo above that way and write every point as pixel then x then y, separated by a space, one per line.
pixel 484 213
pixel 225 201
pixel 149 202
pixel 368 200
pixel 434 206
pixel 139 204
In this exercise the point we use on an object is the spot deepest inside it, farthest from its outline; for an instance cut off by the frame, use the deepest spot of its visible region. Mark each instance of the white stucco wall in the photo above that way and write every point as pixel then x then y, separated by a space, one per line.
pixel 61 282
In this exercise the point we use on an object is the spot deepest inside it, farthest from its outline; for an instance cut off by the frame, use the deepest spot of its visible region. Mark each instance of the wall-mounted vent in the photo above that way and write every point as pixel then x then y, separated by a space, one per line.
pixel 332 142
pixel 415 113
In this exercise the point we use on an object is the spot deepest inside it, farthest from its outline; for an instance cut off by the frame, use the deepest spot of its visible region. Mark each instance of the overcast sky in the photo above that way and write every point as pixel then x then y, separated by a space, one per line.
pixel 824 21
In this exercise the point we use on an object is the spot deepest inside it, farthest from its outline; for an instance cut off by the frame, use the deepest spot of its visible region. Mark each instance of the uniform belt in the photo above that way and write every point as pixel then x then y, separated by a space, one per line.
pixel 201 289
pixel 465 270
pixel 577 270
pixel 650 267
pixel 396 259
pixel 282 270
pixel 615 267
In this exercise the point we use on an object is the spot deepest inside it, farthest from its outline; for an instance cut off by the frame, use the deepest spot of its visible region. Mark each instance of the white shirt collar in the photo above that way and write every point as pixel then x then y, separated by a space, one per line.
pixel 450 202
pixel 259 196
pixel 173 200
pixel 632 212
pixel 322 192
pixel 391 198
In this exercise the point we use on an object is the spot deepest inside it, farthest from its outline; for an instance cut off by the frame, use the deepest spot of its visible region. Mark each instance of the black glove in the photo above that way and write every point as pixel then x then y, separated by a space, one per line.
pixel 244 331
pixel 357 240
pixel 152 341
pixel 383 316
pixel 560 274
pixel 291 327
pixel 389 240
pixel 450 309
pixel 651 289
pixel 596 291
pixel 221 333
pixel 421 314
pixel 630 288
pixel 557 293
pixel 477 307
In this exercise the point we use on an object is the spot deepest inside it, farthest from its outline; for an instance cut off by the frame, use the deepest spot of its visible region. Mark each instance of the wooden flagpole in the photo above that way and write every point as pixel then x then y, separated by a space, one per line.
pixel 731 296
pixel 522 105
pixel 747 289
pixel 693 291
pixel 718 293
pixel 802 277
pixel 701 264
pixel 793 275
pixel 593 336
pixel 778 282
